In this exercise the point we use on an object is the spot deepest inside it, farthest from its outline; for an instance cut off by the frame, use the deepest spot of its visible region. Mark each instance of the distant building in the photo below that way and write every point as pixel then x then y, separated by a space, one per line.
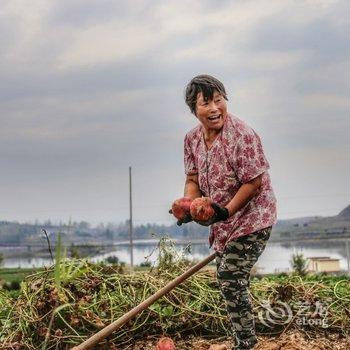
pixel 323 264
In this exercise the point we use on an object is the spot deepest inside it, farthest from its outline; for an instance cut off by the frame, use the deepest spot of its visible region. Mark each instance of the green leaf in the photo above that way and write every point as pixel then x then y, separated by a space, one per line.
pixel 156 308
pixel 168 311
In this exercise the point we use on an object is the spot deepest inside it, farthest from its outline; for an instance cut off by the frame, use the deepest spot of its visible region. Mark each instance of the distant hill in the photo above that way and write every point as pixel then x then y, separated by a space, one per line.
pixel 330 226
pixel 345 214
pixel 290 222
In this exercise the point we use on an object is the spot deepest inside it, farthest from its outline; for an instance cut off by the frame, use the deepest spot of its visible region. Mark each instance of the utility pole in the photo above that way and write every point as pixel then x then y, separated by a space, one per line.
pixel 130 222
pixel 348 254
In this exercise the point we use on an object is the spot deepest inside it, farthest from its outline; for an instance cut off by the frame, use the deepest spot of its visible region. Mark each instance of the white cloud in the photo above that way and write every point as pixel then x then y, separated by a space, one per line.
pixel 107 43
pixel 126 38
pixel 327 102
pixel 29 21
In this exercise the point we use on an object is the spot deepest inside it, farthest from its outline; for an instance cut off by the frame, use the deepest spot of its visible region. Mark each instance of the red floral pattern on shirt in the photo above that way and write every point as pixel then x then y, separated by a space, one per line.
pixel 235 157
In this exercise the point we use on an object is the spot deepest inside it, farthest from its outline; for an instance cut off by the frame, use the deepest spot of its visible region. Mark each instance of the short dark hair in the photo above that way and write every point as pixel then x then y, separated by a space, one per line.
pixel 206 84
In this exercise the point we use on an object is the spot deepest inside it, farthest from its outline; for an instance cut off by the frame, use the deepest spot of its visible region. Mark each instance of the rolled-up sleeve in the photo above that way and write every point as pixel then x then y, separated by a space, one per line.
pixel 189 159
pixel 248 157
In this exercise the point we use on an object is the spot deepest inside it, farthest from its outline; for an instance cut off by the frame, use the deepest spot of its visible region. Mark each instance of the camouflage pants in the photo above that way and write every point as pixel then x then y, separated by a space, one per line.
pixel 233 273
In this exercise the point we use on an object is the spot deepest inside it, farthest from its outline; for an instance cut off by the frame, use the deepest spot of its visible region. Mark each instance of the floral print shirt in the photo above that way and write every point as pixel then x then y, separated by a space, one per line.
pixel 235 157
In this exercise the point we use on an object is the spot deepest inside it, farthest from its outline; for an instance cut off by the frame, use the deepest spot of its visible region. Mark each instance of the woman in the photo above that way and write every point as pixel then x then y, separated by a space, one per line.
pixel 224 160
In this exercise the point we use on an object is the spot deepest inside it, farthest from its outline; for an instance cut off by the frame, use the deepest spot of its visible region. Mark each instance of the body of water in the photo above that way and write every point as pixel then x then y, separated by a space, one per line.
pixel 275 258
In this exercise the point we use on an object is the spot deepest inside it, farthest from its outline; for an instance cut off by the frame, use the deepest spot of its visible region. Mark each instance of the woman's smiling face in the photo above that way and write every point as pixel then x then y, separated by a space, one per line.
pixel 211 113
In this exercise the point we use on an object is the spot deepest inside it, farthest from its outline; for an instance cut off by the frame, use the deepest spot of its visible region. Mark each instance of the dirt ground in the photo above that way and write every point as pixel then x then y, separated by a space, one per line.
pixel 292 340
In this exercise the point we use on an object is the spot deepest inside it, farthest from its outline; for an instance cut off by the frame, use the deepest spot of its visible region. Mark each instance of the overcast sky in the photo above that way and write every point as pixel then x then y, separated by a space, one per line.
pixel 91 87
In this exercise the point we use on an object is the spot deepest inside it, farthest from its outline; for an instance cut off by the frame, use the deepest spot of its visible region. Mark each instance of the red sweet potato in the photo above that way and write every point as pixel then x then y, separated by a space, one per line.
pixel 201 209
pixel 181 207
pixel 165 343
